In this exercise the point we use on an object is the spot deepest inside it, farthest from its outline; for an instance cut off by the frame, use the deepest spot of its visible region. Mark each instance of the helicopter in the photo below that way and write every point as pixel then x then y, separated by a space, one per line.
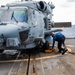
pixel 26 25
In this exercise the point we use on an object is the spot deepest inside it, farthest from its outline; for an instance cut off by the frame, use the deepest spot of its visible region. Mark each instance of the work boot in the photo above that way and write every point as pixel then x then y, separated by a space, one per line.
pixel 64 52
pixel 59 51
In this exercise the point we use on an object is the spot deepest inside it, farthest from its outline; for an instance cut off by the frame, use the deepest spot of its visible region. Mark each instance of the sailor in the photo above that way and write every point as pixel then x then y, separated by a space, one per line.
pixel 60 38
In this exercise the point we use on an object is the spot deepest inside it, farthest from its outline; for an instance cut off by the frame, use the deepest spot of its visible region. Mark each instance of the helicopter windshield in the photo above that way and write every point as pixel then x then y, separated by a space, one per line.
pixel 14 15
pixel 20 16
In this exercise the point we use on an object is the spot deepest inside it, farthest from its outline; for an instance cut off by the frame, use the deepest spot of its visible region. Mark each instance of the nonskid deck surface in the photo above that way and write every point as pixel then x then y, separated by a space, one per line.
pixel 41 63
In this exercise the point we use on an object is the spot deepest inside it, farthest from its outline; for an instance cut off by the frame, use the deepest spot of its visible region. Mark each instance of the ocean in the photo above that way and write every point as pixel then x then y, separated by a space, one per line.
pixel 69 32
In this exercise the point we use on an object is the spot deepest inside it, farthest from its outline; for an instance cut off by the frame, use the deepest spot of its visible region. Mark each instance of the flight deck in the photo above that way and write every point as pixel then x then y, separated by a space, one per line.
pixel 41 63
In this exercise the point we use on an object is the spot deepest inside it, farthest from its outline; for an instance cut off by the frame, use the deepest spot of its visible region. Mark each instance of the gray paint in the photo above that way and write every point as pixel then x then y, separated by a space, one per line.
pixel 37 21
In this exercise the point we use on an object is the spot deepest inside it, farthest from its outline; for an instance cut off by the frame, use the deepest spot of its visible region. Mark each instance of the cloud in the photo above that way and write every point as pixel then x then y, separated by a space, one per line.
pixel 65 4
pixel 64 11
pixel 71 0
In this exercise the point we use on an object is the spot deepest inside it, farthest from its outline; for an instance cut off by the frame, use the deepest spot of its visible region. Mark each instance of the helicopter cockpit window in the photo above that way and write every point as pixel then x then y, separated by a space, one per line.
pixel 5 15
pixel 20 16
pixel 13 15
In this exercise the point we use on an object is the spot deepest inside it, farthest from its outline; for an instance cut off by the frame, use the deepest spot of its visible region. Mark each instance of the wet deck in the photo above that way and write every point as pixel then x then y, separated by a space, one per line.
pixel 45 64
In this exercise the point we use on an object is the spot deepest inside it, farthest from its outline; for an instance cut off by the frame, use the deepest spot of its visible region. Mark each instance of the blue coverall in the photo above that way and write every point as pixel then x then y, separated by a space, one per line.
pixel 60 38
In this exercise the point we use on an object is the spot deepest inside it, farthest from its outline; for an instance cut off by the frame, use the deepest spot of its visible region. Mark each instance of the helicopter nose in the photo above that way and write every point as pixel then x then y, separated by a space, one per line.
pixel 9 31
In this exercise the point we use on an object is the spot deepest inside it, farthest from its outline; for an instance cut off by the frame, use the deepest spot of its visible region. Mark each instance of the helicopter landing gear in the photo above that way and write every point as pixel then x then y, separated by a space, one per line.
pixel 45 46
pixel 1 51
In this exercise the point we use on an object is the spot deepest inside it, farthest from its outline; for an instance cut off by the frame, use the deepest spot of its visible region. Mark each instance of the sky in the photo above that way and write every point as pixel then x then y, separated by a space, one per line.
pixel 64 9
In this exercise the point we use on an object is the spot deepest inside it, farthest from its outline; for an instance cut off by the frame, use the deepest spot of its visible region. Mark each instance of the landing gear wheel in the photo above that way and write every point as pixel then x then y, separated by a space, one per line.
pixel 45 46
pixel 1 51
